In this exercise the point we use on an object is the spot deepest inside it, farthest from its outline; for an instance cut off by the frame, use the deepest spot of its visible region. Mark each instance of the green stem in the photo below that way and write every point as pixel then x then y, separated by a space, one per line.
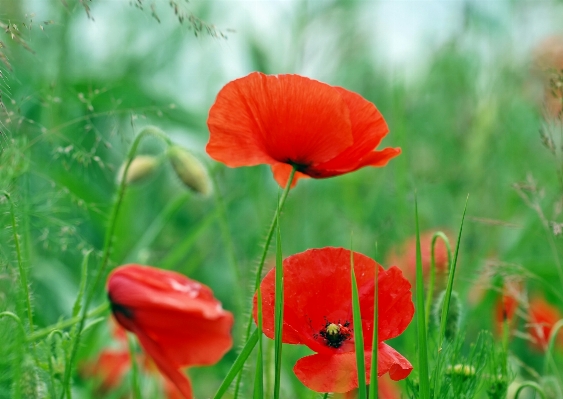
pixel 147 131
pixel 134 368
pixel 15 318
pixel 227 238
pixel 263 259
pixel 22 271
pixel 548 353
pixel 67 323
pixel 530 384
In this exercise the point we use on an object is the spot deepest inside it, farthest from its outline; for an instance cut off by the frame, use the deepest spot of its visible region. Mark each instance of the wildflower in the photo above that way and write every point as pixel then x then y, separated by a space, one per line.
pixel 387 389
pixel 542 318
pixel 112 365
pixel 177 320
pixel 404 256
pixel 318 314
pixel 290 120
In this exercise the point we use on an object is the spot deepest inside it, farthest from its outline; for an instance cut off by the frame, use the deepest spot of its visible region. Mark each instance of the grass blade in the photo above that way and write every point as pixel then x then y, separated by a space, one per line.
pixel 450 285
pixel 424 387
pixel 259 376
pixel 358 333
pixel 238 364
pixel 373 385
pixel 83 277
pixel 278 322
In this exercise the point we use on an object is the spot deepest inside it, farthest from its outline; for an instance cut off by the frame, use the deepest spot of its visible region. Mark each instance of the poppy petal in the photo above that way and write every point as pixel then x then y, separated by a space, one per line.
pixel 338 372
pixel 282 171
pixel 395 306
pixel 368 129
pixel 285 118
pixel 379 158
pixel 166 366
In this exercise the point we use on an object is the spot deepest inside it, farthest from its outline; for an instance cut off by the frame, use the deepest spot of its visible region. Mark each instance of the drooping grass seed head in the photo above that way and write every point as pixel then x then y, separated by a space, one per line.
pixel 454 314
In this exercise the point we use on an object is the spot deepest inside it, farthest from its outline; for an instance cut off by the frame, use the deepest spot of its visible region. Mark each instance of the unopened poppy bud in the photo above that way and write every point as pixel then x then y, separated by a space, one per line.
pixel 189 170
pixel 454 314
pixel 31 384
pixel 141 167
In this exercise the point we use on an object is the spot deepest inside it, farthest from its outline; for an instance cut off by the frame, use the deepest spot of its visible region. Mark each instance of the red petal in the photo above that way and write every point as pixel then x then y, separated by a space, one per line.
pixel 285 118
pixel 395 305
pixel 167 367
pixel 368 129
pixel 379 158
pixel 338 372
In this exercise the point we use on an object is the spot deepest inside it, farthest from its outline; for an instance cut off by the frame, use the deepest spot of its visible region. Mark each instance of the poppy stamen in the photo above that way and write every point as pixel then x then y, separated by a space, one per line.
pixel 334 334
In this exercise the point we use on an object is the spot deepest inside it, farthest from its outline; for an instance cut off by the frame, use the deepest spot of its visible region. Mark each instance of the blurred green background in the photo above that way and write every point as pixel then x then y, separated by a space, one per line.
pixel 457 82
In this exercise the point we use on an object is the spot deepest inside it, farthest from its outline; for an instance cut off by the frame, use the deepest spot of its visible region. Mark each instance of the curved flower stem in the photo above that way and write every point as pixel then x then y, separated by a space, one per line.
pixel 15 318
pixel 22 271
pixel 430 293
pixel 548 353
pixel 108 240
pixel 531 385
pixel 67 323
pixel 263 259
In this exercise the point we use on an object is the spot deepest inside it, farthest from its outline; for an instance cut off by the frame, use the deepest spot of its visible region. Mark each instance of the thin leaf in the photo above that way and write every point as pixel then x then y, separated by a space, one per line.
pixel 83 277
pixel 430 294
pixel 358 333
pixel 450 285
pixel 373 386
pixel 238 364
pixel 278 312
pixel 424 387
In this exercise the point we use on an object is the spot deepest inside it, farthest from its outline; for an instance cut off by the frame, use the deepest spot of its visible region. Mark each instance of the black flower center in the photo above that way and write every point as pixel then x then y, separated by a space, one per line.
pixel 334 334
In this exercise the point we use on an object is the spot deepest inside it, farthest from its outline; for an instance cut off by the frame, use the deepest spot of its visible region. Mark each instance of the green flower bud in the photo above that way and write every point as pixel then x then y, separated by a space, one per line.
pixel 190 170
pixel 141 167
pixel 454 314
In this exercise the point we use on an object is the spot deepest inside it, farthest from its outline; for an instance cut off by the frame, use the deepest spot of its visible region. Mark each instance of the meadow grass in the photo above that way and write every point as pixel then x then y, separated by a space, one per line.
pixel 467 124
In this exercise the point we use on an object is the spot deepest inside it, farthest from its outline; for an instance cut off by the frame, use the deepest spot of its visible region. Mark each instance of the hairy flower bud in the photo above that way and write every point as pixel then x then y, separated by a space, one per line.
pixel 189 170
pixel 141 167
pixel 454 314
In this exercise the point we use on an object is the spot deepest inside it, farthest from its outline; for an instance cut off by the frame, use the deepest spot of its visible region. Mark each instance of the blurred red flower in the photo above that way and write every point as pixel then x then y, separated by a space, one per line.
pixel 287 120
pixel 177 320
pixel 542 317
pixel 507 305
pixel 318 314
pixel 404 255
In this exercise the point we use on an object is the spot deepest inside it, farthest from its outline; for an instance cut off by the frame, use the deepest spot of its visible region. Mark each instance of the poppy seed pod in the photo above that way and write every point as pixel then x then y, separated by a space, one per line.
pixel 454 314
pixel 177 320
pixel 190 170
pixel 141 167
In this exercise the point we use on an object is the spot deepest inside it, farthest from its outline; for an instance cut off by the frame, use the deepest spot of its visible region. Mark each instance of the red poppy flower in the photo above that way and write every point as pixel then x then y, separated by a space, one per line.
pixel 404 256
pixel 543 317
pixel 291 120
pixel 177 320
pixel 112 364
pixel 387 389
pixel 318 314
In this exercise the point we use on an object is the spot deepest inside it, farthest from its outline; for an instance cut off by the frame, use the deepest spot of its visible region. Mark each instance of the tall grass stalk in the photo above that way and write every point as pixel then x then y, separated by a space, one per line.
pixel 259 372
pixel 424 387
pixel 134 368
pixel 263 259
pixel 358 333
pixel 278 315
pixel 21 268
pixel 450 285
pixel 373 385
